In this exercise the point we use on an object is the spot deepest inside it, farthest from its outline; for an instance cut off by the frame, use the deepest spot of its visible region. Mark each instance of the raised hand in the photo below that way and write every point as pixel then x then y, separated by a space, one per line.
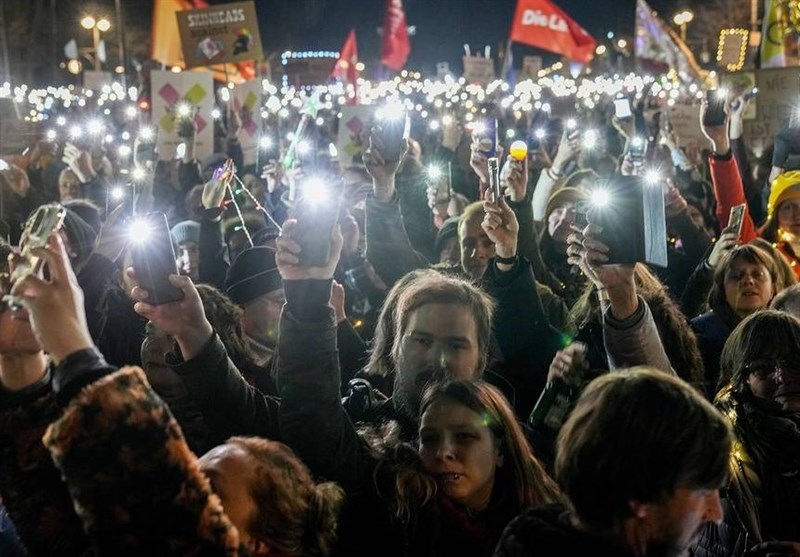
pixel 55 305
pixel 569 364
pixel 288 251
pixel 382 172
pixel 501 226
pixel 184 319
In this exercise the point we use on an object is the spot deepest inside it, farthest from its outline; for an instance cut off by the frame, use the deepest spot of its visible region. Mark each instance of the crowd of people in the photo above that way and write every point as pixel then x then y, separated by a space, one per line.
pixel 442 371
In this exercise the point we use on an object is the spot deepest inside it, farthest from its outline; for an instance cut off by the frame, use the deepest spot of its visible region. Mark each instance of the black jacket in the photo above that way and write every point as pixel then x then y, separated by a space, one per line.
pixel 546 531
pixel 316 426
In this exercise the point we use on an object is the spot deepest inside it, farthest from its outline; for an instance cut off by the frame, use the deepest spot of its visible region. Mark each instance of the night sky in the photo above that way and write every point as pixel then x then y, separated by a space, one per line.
pixel 443 26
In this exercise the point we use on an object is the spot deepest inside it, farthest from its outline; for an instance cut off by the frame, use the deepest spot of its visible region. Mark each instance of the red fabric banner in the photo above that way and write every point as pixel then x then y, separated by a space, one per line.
pixel 396 44
pixel 542 24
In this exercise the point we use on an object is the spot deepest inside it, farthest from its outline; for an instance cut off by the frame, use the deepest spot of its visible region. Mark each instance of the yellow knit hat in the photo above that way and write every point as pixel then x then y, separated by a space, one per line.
pixel 786 186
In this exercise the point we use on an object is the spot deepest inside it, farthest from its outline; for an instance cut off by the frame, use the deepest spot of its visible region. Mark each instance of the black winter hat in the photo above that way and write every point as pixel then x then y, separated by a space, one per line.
pixel 252 274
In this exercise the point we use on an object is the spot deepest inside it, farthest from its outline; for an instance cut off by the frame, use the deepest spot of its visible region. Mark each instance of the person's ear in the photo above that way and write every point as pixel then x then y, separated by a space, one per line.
pixel 499 458
pixel 259 547
pixel 638 509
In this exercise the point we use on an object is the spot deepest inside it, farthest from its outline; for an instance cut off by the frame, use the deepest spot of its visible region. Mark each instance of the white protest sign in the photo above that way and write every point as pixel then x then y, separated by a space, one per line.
pixel 245 101
pixel 182 95
pixel 478 70
pixel 353 132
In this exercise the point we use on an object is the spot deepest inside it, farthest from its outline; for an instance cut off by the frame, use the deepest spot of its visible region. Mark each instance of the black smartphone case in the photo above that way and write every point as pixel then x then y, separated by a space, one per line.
pixel 154 260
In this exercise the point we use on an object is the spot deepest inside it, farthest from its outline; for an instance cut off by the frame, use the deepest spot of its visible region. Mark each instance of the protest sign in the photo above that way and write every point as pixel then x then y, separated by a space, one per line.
pixel 478 70
pixel 182 95
pixel 353 133
pixel 777 90
pixel 685 119
pixel 245 101
pixel 531 66
pixel 222 33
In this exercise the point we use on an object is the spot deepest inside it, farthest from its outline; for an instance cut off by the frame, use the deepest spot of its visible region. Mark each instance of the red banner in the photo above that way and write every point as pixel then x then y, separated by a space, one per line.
pixel 396 45
pixel 542 24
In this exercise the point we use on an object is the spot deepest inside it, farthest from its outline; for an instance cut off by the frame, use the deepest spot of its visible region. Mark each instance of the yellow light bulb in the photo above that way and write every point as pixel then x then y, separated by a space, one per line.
pixel 518 150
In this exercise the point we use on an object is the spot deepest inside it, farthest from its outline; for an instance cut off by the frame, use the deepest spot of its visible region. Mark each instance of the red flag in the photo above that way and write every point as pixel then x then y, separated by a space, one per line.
pixel 396 45
pixel 346 66
pixel 542 24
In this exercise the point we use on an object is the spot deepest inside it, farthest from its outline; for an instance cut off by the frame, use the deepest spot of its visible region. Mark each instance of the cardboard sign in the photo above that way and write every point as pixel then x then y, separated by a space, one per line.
pixel 222 33
pixel 353 134
pixel 777 91
pixel 245 101
pixel 531 66
pixel 685 120
pixel 182 95
pixel 478 69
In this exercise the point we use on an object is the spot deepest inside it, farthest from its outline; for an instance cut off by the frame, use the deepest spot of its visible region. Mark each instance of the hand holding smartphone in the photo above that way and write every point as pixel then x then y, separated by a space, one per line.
pixel 486 136
pixel 393 131
pixel 154 258
pixel 715 112
pixel 38 228
pixel 316 217
pixel 622 108
pixel 736 219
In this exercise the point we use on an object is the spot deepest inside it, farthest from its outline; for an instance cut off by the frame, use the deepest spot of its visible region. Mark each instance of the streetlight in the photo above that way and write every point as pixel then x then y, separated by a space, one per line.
pixel 682 19
pixel 97 26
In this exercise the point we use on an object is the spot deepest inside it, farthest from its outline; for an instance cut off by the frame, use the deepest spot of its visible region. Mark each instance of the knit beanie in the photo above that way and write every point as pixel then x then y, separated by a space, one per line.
pixel 563 196
pixel 252 274
pixel 448 230
pixel 186 231
pixel 81 236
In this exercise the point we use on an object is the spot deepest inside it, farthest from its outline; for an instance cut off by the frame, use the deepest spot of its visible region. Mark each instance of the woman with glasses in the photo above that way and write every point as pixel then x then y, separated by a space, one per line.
pixel 761 364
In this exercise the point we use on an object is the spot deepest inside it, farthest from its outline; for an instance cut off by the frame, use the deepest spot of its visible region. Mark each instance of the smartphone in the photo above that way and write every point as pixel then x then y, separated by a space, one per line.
pixel 494 178
pixel 736 218
pixel 486 135
pixel 638 150
pixel 622 108
pixel 393 133
pixel 153 258
pixel 715 114
pixel 38 228
pixel 315 222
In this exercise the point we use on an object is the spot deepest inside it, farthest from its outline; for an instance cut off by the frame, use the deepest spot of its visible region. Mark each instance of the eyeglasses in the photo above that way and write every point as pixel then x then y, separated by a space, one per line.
pixel 763 369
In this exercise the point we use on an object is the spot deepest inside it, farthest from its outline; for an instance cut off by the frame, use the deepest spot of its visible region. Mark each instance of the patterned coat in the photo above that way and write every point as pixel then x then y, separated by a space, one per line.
pixel 133 482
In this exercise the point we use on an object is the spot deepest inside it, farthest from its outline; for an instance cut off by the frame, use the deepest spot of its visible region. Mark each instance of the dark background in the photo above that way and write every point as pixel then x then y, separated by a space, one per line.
pixel 37 30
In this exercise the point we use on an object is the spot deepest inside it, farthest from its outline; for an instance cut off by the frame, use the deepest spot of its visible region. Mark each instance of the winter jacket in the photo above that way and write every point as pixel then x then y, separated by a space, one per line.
pixel 229 404
pixel 729 191
pixel 133 483
pixel 713 330
pixel 315 425
pixel 547 531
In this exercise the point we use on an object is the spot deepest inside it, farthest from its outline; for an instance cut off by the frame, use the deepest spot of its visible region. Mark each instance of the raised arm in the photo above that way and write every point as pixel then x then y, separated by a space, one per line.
pixel 629 332
pixel 728 186
pixel 313 421
pixel 389 250
pixel 118 448
pixel 229 404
